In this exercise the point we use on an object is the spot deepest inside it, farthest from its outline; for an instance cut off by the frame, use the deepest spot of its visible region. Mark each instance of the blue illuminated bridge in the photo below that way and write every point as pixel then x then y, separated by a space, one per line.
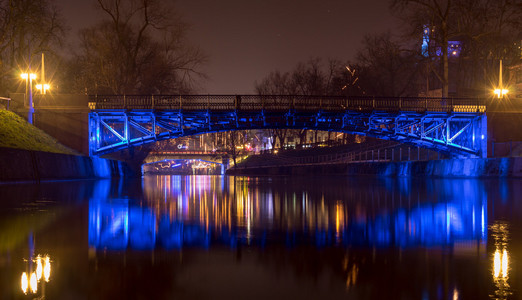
pixel 456 127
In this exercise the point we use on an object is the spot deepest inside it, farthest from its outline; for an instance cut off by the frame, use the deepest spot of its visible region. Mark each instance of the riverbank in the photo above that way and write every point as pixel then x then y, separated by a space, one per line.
pixel 17 133
pixel 447 168
pixel 28 165
pixel 29 154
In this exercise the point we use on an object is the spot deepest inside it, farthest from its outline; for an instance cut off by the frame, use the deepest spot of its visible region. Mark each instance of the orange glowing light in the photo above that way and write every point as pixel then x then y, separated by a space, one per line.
pixel 24 282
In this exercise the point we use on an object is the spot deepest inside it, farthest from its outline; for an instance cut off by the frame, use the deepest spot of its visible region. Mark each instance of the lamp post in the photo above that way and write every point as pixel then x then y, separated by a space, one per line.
pixel 43 87
pixel 29 92
pixel 500 91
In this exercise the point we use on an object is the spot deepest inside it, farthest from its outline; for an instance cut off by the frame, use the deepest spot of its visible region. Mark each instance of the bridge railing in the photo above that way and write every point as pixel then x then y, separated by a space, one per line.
pixel 384 152
pixel 285 102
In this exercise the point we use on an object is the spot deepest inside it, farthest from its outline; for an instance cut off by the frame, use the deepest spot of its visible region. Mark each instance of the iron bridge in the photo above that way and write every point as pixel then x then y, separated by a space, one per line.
pixel 456 127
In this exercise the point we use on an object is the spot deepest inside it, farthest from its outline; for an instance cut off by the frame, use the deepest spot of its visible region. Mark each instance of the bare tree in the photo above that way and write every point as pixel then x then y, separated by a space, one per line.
pixel 140 48
pixel 436 16
pixel 386 68
pixel 487 30
pixel 311 78
pixel 27 28
pixel 490 30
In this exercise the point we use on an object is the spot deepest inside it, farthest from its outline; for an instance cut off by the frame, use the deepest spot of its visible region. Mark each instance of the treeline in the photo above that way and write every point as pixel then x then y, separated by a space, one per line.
pixel 443 48
pixel 452 47
pixel 139 47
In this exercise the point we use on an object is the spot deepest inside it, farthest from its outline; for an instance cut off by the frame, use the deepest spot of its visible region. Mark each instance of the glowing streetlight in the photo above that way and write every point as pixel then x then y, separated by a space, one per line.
pixel 500 91
pixel 29 77
pixel 43 88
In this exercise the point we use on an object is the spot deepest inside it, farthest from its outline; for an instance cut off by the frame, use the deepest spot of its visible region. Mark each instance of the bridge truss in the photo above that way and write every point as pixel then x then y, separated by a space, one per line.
pixel 453 126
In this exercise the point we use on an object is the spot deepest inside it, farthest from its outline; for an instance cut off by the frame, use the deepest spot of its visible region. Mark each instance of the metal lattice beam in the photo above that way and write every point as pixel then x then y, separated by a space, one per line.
pixel 131 121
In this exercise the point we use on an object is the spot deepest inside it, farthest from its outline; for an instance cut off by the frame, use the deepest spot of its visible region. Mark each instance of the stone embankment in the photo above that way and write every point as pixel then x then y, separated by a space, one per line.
pixel 27 165
pixel 448 168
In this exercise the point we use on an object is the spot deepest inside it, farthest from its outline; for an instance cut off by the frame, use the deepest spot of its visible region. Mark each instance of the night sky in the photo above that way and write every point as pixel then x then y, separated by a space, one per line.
pixel 247 39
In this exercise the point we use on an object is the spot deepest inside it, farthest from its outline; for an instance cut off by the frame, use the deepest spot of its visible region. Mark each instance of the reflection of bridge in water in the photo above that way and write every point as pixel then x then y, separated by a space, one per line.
pixel 200 211
pixel 454 126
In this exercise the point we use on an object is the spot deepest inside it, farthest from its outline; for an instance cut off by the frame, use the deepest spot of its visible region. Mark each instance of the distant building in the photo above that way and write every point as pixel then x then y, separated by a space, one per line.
pixel 429 48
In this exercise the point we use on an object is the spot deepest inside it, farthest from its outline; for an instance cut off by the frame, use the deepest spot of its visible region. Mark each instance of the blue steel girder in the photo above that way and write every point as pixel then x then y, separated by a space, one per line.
pixel 452 130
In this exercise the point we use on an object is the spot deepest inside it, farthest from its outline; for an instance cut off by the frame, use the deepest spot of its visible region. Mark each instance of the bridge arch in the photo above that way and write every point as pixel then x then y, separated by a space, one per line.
pixel 456 127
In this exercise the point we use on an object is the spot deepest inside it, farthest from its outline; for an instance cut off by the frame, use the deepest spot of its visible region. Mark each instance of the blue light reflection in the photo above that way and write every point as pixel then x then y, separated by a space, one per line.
pixel 197 211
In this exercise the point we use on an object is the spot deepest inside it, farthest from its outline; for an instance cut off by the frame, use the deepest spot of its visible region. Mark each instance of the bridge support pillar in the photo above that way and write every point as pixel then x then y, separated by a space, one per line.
pixel 481 135
pixel 94 133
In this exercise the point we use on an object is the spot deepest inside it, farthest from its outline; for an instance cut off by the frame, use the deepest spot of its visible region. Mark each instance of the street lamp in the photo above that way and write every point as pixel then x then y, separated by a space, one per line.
pixel 29 77
pixel 43 87
pixel 500 91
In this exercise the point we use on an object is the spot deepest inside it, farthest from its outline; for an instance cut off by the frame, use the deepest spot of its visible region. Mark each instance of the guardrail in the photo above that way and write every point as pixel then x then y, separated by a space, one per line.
pixel 7 100
pixel 396 153
pixel 285 102
pixel 379 153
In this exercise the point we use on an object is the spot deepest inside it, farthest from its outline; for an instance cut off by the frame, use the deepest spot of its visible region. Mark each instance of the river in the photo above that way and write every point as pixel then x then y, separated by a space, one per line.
pixel 219 237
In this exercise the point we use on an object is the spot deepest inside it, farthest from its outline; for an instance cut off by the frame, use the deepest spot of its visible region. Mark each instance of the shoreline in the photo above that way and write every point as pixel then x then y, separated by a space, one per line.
pixel 19 165
pixel 505 167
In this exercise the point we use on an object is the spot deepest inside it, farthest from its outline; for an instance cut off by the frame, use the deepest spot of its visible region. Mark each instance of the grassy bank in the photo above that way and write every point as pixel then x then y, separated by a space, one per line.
pixel 15 132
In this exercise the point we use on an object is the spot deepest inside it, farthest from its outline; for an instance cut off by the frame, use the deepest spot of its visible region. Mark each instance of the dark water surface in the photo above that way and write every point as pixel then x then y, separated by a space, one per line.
pixel 216 237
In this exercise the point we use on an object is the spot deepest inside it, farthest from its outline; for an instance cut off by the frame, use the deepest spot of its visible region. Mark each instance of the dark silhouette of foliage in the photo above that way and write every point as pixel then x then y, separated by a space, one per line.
pixel 27 29
pixel 140 48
